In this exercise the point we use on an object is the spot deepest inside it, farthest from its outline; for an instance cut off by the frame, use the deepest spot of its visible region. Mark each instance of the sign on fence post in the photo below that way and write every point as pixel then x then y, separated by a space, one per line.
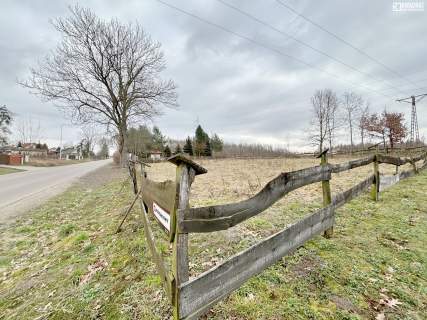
pixel 326 188
pixel 185 173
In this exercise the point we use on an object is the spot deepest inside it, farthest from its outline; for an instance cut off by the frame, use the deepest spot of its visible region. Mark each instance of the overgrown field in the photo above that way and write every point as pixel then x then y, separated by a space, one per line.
pixel 63 261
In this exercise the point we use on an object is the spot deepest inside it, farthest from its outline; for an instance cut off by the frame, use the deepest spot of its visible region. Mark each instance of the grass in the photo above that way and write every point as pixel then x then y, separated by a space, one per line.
pixel 5 170
pixel 63 261
pixel 52 162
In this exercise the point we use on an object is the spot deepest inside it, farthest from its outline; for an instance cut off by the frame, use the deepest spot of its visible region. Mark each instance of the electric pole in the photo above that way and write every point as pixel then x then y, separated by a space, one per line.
pixel 415 134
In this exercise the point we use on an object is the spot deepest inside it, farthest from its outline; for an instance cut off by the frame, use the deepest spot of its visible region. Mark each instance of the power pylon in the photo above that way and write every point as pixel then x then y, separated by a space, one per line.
pixel 415 134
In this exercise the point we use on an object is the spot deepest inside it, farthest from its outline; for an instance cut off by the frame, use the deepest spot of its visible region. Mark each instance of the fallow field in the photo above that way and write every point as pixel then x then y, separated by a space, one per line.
pixel 64 260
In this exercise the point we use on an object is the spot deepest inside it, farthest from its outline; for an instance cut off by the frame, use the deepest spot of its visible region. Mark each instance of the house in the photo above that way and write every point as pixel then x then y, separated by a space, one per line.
pixel 27 152
pixel 53 153
pixel 71 153
pixel 155 155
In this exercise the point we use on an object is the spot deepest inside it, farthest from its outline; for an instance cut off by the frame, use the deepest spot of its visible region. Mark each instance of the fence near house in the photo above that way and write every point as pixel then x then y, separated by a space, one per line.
pixel 168 203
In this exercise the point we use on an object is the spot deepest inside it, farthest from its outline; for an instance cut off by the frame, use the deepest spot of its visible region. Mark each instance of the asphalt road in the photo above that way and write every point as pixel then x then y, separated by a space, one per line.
pixel 21 191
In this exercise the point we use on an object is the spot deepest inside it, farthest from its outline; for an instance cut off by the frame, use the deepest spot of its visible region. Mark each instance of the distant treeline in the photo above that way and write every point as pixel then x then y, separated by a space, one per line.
pixel 251 150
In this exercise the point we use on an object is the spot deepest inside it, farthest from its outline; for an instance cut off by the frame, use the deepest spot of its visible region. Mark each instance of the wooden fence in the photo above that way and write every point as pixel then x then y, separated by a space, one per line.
pixel 168 203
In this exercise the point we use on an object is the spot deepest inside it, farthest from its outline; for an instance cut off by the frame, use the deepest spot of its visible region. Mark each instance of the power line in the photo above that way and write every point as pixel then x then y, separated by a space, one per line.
pixel 283 33
pixel 347 43
pixel 406 85
pixel 257 43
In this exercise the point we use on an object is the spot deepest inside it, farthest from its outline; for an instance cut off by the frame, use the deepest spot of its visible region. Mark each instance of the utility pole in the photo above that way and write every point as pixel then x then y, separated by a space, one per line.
pixel 415 134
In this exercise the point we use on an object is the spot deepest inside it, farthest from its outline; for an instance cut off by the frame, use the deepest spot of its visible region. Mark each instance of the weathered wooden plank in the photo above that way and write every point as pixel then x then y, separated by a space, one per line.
pixel 208 219
pixel 336 168
pixel 353 192
pixel 181 158
pixel 184 176
pixel 159 196
pixel 387 181
pixel 272 192
pixel 158 260
pixel 419 157
pixel 326 189
pixel 399 161
pixel 406 174
pixel 213 285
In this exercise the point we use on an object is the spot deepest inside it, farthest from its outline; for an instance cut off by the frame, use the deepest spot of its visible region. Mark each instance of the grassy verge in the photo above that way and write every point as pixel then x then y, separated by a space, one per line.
pixel 52 162
pixel 65 262
pixel 5 170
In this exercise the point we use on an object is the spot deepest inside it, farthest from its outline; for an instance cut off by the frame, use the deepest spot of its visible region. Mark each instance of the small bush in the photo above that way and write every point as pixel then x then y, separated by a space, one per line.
pixel 66 230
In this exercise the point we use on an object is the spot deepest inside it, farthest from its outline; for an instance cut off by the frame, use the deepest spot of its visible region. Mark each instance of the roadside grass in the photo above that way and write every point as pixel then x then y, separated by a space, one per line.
pixel 63 261
pixel 5 170
pixel 52 162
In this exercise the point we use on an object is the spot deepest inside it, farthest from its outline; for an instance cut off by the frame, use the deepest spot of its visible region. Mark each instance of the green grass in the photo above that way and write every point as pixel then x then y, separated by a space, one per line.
pixel 64 261
pixel 5 170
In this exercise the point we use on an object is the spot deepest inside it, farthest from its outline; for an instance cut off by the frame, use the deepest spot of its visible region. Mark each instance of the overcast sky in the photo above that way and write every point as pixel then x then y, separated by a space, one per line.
pixel 230 85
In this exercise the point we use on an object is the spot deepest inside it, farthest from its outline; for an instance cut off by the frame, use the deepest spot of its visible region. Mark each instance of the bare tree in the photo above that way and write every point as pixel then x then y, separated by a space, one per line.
pixel 324 122
pixel 363 119
pixel 28 131
pixel 352 104
pixel 89 137
pixel 104 72
pixel 333 122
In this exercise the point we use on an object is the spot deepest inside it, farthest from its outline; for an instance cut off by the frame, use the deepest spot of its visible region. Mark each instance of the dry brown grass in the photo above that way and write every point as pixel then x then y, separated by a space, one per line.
pixel 230 180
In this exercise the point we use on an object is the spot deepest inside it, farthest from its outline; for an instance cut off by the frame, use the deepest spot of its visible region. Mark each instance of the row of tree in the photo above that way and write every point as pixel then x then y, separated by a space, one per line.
pixel 351 113
pixel 202 144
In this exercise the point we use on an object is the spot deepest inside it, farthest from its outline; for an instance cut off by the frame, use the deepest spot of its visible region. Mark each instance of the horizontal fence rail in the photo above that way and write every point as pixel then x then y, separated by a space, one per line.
pixel 336 168
pixel 221 217
pixel 205 290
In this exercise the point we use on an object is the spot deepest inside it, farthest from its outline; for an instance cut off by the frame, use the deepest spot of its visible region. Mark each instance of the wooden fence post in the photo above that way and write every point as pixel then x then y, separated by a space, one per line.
pixel 326 189
pixel 185 173
pixel 376 184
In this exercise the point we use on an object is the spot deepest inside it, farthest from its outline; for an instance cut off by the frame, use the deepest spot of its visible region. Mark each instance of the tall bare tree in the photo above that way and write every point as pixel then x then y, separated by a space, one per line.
pixel 324 122
pixel 88 138
pixel 362 122
pixel 29 131
pixel 352 104
pixel 104 72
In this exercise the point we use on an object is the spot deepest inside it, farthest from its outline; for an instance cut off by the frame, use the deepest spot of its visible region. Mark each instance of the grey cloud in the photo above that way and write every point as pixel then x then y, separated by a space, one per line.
pixel 235 88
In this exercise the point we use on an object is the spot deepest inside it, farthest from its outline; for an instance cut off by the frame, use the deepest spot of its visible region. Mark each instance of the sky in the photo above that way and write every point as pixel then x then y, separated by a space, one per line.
pixel 253 87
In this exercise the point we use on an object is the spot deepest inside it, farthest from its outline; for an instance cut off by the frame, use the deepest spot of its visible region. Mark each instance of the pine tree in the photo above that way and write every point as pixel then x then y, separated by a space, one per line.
pixel 167 151
pixel 103 153
pixel 200 139
pixel 178 149
pixel 216 143
pixel 188 147
pixel 207 151
pixel 158 139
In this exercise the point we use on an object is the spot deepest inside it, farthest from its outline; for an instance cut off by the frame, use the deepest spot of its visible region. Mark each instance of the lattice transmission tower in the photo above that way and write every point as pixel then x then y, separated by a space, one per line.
pixel 415 133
